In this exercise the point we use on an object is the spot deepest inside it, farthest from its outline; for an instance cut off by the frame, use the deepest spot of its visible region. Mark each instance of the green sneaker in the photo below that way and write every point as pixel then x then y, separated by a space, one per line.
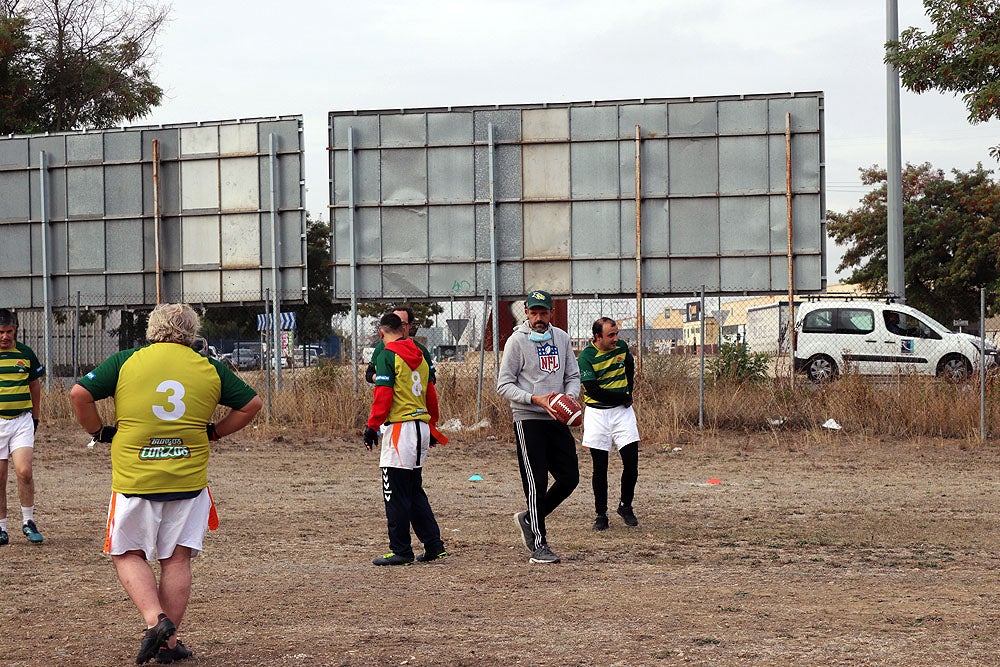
pixel 31 532
pixel 427 557
pixel 393 559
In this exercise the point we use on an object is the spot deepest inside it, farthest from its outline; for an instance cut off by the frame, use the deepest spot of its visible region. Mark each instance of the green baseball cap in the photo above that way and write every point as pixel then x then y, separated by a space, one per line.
pixel 538 298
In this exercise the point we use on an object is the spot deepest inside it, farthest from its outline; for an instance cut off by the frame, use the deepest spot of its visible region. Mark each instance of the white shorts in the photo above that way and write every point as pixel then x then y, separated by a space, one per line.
pixel 612 426
pixel 154 527
pixel 16 432
pixel 399 445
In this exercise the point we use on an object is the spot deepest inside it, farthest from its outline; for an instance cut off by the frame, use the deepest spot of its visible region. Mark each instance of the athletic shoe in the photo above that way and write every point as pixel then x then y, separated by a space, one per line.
pixel 600 523
pixel 31 532
pixel 427 557
pixel 627 515
pixel 4 538
pixel 167 655
pixel 392 559
pixel 154 638
pixel 527 535
pixel 543 554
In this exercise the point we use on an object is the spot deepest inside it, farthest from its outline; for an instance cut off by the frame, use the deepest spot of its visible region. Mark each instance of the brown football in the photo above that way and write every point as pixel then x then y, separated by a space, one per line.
pixel 567 409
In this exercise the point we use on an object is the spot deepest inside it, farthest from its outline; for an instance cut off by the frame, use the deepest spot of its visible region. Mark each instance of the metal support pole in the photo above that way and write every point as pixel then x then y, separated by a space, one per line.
pixel 267 366
pixel 43 190
pixel 157 221
pixel 701 364
pixel 275 257
pixel 639 316
pixel 76 338
pixel 791 252
pixel 482 354
pixel 894 165
pixel 982 364
pixel 354 256
pixel 494 278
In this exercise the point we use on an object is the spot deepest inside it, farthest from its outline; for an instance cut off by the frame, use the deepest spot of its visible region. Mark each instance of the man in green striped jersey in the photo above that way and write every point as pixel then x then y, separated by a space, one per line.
pixel 607 372
pixel 20 400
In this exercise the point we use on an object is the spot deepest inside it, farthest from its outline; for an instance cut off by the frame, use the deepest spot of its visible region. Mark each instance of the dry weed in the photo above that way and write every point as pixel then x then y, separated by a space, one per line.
pixel 324 401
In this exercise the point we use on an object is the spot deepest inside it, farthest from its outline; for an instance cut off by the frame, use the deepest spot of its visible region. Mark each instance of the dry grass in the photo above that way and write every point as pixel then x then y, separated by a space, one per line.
pixel 324 401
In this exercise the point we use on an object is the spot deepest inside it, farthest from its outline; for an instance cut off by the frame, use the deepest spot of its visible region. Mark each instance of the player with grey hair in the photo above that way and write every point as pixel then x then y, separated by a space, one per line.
pixel 20 405
pixel 165 395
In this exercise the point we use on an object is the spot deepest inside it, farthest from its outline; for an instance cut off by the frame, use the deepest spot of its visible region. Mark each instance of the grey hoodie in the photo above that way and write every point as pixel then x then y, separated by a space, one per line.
pixel 530 368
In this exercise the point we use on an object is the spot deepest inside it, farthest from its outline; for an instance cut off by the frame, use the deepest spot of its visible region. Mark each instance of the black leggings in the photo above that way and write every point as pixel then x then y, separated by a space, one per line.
pixel 630 474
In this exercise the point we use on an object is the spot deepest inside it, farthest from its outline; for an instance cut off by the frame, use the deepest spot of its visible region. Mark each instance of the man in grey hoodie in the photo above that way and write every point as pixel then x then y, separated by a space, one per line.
pixel 538 363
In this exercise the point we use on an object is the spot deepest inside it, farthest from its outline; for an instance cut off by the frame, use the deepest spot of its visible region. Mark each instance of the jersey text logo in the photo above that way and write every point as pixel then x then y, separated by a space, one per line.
pixel 161 453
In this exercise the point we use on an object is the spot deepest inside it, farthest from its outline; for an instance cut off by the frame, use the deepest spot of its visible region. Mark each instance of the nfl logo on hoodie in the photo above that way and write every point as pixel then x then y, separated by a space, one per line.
pixel 548 358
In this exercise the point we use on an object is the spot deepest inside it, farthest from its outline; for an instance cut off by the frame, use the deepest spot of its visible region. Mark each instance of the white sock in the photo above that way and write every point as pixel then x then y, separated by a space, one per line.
pixel 28 513
pixel 3 524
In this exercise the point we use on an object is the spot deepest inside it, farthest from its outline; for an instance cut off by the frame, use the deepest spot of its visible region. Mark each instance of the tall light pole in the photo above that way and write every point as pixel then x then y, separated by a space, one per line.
pixel 894 164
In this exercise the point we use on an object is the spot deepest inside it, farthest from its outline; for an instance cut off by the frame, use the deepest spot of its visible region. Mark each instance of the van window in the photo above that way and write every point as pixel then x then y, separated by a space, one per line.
pixel 856 321
pixel 820 320
pixel 907 325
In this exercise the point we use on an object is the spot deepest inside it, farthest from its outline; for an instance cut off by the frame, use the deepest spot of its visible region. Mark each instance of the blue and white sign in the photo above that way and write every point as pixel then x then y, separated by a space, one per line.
pixel 287 321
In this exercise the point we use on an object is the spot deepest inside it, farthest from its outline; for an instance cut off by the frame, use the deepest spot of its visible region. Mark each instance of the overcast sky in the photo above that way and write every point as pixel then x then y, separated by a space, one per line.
pixel 227 59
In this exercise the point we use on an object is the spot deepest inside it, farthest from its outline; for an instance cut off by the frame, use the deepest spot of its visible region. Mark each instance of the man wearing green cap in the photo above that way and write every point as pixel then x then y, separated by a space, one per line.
pixel 538 363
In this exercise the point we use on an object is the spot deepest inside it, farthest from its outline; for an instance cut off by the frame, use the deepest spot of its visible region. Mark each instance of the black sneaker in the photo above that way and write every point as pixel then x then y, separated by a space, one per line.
pixel 600 523
pixel 154 638
pixel 527 535
pixel 167 655
pixel 627 515
pixel 392 559
pixel 428 557
pixel 543 554
pixel 31 532
pixel 4 538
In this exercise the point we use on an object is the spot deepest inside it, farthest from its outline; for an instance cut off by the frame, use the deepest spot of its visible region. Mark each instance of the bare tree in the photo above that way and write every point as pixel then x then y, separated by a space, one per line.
pixel 90 60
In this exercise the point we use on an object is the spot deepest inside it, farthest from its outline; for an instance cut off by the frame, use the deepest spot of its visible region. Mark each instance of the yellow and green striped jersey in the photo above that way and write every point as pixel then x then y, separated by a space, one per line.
pixel 165 394
pixel 19 367
pixel 607 368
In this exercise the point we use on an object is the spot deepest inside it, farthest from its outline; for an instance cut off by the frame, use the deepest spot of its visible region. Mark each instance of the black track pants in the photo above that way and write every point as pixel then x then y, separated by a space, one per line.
pixel 545 447
pixel 406 505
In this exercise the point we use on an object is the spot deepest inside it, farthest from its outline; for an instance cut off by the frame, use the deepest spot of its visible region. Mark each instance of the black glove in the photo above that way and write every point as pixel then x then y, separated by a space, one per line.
pixel 104 434
pixel 371 438
pixel 212 433
pixel 36 423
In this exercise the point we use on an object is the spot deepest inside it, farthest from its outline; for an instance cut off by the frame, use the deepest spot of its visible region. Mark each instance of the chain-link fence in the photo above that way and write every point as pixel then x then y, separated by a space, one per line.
pixel 704 363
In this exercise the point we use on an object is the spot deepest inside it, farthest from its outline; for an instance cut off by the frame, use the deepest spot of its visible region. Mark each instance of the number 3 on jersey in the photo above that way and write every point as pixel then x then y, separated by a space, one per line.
pixel 173 392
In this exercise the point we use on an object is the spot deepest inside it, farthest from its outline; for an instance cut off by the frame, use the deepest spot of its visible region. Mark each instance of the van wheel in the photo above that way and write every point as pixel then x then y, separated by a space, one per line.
pixel 821 368
pixel 954 367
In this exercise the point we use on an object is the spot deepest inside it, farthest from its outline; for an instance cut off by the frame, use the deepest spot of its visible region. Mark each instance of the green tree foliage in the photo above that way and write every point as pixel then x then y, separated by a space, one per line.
pixel 951 239
pixel 74 64
pixel 423 313
pixel 960 55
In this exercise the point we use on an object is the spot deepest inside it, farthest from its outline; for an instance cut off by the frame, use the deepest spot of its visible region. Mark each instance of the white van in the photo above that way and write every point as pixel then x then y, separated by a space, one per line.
pixel 875 338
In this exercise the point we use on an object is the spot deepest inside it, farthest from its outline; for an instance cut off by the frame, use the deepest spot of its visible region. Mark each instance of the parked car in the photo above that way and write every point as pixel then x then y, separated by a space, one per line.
pixel 307 355
pixel 243 358
pixel 875 338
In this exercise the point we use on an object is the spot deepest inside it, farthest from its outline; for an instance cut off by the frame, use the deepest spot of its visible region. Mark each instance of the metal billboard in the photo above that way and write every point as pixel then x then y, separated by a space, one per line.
pixel 444 202
pixel 79 214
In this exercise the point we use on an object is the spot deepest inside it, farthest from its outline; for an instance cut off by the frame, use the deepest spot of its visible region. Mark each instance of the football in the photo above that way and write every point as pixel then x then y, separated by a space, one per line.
pixel 567 409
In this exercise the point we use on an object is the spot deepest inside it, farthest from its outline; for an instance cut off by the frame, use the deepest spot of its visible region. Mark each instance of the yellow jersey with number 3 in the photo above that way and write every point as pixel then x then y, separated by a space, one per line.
pixel 165 394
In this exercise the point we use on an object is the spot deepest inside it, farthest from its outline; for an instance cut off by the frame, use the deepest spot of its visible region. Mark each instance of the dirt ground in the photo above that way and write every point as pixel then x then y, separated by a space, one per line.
pixel 813 550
